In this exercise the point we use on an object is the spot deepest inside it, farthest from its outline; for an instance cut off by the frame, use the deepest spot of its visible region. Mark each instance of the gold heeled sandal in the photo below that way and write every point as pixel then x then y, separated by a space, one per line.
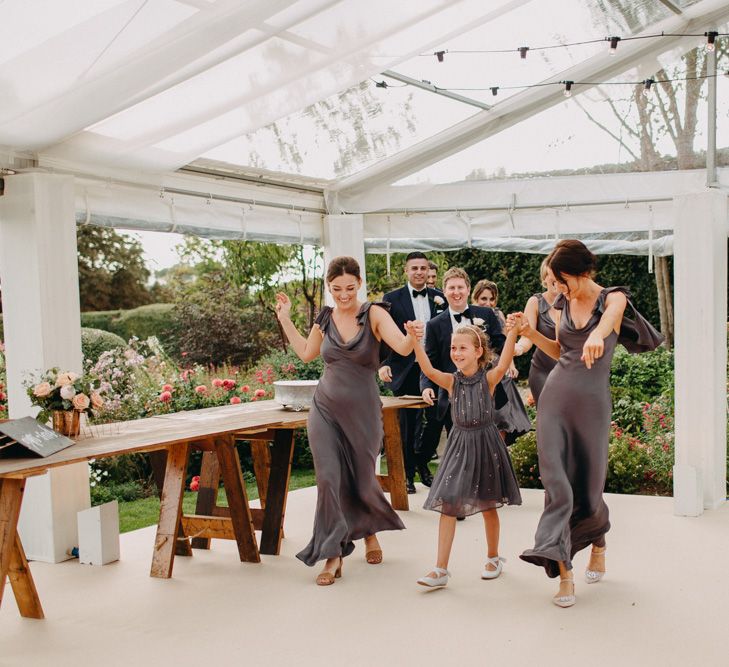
pixel 327 578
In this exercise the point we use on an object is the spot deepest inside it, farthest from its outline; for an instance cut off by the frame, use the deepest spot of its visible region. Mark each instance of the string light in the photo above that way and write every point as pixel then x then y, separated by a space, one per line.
pixel 495 89
pixel 568 88
pixel 647 87
pixel 523 52
pixel 710 39
pixel 613 45
pixel 440 55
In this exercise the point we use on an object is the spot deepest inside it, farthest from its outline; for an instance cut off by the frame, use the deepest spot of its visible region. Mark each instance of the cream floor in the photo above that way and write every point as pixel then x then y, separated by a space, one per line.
pixel 665 601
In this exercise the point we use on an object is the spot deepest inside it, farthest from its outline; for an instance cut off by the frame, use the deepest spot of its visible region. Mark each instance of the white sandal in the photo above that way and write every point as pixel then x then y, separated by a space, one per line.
pixel 498 563
pixel 593 576
pixel 436 582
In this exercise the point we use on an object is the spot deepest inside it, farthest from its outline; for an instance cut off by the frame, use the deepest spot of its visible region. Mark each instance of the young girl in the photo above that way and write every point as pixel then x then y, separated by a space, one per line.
pixel 476 473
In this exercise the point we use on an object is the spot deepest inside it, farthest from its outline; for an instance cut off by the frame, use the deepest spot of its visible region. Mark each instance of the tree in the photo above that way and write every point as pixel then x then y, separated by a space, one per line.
pixel 644 120
pixel 111 268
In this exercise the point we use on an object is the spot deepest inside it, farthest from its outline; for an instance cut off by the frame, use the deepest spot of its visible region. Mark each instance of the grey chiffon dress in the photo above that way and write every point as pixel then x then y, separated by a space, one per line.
pixel 512 418
pixel 476 472
pixel 573 428
pixel 345 436
pixel 542 364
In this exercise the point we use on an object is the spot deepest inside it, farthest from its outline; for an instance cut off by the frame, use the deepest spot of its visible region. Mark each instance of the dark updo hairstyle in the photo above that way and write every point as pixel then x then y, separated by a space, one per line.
pixel 340 266
pixel 571 257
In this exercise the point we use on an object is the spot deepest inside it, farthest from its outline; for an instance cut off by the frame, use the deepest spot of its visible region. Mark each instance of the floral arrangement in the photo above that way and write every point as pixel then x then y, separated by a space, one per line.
pixel 65 391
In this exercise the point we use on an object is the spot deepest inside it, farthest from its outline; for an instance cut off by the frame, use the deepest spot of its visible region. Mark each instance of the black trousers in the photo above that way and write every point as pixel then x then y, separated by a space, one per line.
pixel 411 424
pixel 431 430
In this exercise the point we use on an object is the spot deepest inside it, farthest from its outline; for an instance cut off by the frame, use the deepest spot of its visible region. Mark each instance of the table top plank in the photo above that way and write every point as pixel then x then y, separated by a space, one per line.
pixel 161 431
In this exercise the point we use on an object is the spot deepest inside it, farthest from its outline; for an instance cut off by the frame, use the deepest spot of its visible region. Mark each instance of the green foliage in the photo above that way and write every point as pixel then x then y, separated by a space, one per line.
pixel 642 377
pixel 288 366
pixel 379 281
pixel 627 464
pixel 96 341
pixel 100 319
pixel 112 272
pixel 155 319
pixel 123 492
pixel 525 461
pixel 214 323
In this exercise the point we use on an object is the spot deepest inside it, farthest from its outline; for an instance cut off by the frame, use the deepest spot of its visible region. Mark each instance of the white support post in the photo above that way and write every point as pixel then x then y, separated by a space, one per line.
pixel 700 284
pixel 40 297
pixel 344 235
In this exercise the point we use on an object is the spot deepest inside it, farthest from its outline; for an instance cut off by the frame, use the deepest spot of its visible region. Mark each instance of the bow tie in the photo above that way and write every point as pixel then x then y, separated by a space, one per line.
pixel 459 316
pixel 422 292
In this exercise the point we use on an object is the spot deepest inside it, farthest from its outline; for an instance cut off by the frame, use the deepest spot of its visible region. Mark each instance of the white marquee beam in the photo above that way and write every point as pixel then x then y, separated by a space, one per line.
pixel 601 67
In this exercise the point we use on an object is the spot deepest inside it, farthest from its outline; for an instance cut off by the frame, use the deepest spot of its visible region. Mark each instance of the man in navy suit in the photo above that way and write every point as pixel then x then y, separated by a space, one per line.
pixel 414 301
pixel 438 331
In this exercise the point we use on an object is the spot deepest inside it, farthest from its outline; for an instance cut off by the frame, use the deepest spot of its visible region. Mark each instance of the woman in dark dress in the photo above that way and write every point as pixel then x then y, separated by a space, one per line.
pixel 345 422
pixel 573 421
pixel 512 420
pixel 540 314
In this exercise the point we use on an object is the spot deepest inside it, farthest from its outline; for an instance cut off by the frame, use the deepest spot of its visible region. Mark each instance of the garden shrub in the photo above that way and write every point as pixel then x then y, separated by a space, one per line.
pixel 122 491
pixel 524 459
pixel 100 319
pixel 642 377
pixel 155 319
pixel 96 341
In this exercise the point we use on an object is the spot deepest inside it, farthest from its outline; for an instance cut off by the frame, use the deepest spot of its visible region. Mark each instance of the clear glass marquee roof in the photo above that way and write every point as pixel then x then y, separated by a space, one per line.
pixel 288 85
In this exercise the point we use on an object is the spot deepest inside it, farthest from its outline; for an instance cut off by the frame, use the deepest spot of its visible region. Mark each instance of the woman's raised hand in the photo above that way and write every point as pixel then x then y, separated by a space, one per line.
pixel 519 322
pixel 283 305
pixel 415 328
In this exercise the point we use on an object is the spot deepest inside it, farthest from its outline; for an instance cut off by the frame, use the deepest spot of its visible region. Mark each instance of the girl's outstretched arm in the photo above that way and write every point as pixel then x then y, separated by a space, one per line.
pixel 440 378
pixel 531 313
pixel 507 354
pixel 307 349
pixel 546 345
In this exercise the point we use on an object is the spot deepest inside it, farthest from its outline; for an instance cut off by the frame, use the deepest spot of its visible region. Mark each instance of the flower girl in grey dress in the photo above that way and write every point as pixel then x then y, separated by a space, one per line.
pixel 475 474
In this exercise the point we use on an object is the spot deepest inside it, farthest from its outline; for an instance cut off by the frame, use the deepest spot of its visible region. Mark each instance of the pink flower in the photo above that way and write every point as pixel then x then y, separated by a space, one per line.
pixel 235 400
pixel 2 396
pixel 96 400
pixel 259 393
pixel 65 379
pixel 228 384
pixel 255 398
pixel 184 354
pixel 165 396
pixel 166 387
pixel 81 402
pixel 217 382
pixel 201 389
pixel 185 375
pixel 195 483
pixel 245 388
pixel 42 390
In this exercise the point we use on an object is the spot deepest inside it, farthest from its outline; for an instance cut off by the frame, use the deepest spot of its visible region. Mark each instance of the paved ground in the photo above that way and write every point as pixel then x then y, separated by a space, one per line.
pixel 665 601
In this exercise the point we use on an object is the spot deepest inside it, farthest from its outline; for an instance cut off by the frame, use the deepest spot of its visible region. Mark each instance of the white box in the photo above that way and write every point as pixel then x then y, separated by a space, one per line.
pixel 98 534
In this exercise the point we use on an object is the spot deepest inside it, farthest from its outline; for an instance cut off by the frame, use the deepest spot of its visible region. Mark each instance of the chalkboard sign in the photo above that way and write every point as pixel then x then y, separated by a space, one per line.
pixel 21 437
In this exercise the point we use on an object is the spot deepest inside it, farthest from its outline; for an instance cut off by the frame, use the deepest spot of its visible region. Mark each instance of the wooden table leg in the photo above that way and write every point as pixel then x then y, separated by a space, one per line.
pixel 395 462
pixel 235 491
pixel 12 557
pixel 207 493
pixel 278 486
pixel 261 456
pixel 170 511
pixel 158 461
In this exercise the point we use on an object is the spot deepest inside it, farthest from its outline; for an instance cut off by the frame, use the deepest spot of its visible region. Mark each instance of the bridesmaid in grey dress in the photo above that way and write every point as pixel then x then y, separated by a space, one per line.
pixel 538 311
pixel 573 422
pixel 345 422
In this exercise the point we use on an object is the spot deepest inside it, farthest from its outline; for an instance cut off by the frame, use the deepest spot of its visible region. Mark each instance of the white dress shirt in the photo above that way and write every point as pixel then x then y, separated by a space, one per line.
pixel 421 306
pixel 455 324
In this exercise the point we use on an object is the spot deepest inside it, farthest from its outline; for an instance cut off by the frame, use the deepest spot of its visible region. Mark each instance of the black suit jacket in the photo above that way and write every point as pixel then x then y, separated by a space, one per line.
pixel 401 310
pixel 438 348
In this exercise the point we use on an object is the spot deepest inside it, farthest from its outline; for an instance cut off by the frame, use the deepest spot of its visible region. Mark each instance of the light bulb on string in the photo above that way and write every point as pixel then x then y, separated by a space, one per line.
pixel 647 87
pixel 614 45
pixel 495 90
pixel 440 55
pixel 711 39
pixel 568 88
pixel 523 53
pixel 380 84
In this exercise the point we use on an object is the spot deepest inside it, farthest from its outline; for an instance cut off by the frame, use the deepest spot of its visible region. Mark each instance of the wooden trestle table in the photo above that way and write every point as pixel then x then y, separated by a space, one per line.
pixel 168 439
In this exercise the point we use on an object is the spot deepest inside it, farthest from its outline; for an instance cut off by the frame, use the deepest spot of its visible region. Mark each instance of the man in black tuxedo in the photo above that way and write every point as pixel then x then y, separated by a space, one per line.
pixel 414 301
pixel 438 331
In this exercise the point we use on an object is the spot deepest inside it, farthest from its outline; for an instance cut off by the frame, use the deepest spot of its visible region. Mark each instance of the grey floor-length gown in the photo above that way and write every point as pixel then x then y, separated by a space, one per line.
pixel 345 436
pixel 573 429
pixel 542 364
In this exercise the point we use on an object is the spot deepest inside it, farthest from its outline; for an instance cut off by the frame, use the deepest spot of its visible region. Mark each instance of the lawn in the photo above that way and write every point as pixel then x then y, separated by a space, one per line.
pixel 145 512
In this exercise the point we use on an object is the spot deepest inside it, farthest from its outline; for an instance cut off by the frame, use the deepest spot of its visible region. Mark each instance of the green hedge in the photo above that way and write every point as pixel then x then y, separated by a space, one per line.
pixel 96 341
pixel 154 319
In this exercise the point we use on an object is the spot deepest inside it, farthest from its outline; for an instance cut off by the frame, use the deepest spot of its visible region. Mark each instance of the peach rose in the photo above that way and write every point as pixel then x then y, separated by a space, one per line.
pixel 42 389
pixel 81 402
pixel 235 400
pixel 217 382
pixel 165 396
pixel 96 400
pixel 260 392
pixel 166 387
pixel 201 389
pixel 64 379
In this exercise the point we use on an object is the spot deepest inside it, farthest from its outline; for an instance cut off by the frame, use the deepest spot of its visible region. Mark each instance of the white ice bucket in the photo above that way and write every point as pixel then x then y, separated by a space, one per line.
pixel 295 394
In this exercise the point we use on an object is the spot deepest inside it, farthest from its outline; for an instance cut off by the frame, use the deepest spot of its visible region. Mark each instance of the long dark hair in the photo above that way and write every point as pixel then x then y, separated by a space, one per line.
pixel 571 257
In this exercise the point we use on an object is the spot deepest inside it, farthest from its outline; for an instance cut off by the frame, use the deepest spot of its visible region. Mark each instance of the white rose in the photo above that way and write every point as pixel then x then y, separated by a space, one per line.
pixel 438 300
pixel 477 321
pixel 67 392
